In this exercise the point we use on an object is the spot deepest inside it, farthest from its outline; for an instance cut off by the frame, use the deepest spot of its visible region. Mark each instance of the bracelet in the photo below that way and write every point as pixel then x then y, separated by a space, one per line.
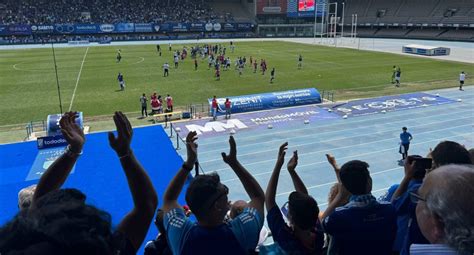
pixel 68 152
pixel 126 155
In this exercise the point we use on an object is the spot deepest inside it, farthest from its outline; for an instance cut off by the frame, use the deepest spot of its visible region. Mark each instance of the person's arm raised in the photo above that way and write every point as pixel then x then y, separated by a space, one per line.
pixel 332 161
pixel 273 182
pixel 341 196
pixel 170 198
pixel 253 189
pixel 409 173
pixel 56 174
pixel 297 182
pixel 136 223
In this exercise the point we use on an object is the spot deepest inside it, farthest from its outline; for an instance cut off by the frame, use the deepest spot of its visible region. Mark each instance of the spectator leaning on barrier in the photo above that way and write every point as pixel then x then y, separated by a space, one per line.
pixel 207 198
pixel 363 226
pixel 60 222
pixel 444 210
pixel 304 235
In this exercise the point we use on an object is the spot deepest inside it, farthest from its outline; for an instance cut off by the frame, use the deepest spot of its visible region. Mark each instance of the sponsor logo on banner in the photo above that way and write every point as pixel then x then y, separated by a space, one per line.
pixel 157 28
pixel 390 103
pixel 19 29
pixel 43 161
pixel 51 141
pixel 197 27
pixel 217 126
pixel 217 26
pixel 143 27
pixel 179 27
pixel 209 27
pixel 64 29
pixel 124 27
pixel 272 9
pixel 47 28
pixel 107 28
pixel 86 28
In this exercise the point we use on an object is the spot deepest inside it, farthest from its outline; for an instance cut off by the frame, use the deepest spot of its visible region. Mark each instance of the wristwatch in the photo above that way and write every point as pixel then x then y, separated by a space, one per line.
pixel 68 152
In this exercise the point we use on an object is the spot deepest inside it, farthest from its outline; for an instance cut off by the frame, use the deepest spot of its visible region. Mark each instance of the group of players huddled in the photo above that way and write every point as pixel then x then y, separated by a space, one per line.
pixel 216 59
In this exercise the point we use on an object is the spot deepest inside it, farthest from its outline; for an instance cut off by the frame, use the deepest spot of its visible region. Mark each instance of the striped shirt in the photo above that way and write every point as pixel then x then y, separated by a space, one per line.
pixel 422 249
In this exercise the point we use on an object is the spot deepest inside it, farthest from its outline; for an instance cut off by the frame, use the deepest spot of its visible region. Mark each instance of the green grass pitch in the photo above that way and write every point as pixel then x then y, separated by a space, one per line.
pixel 28 83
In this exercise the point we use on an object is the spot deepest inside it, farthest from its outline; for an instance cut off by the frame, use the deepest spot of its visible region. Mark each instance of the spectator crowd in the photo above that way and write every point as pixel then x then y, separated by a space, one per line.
pixel 430 211
pixel 106 11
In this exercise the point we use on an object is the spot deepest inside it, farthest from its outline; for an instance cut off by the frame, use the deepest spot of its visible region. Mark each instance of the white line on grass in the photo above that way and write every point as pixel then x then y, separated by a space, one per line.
pixel 78 78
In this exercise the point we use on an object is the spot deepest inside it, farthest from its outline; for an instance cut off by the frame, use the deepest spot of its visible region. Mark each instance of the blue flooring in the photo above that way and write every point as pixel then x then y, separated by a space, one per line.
pixel 98 172
pixel 372 138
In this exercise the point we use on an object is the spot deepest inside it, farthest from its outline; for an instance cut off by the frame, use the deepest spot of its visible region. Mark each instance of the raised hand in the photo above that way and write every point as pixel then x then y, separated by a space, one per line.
pixel 121 143
pixel 72 132
pixel 293 162
pixel 191 147
pixel 331 160
pixel 281 154
pixel 232 156
pixel 409 166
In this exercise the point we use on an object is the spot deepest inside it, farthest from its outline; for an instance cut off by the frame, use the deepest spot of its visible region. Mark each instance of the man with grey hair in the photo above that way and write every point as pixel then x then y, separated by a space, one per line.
pixel 25 197
pixel 444 211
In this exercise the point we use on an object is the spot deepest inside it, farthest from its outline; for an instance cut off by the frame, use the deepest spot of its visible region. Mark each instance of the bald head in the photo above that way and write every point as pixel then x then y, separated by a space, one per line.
pixel 447 214
pixel 237 208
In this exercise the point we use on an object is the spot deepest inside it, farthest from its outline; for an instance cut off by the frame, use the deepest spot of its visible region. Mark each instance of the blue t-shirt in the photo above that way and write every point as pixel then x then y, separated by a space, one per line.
pixel 236 237
pixel 362 227
pixel 283 235
pixel 405 137
pixel 408 230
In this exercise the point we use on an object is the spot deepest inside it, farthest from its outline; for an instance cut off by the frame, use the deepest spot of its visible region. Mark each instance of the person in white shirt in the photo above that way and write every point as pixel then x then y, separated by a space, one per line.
pixel 166 68
pixel 462 77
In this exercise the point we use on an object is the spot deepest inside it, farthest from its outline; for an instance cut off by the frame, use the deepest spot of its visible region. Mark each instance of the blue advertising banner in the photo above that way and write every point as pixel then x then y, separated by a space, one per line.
pixel 197 27
pixel 3 30
pixel 284 117
pixel 52 123
pixel 51 142
pixel 389 103
pixel 271 100
pixel 42 29
pixel 143 27
pixel 106 28
pixel 86 28
pixel 124 27
pixel 64 28
pixel 19 30
pixel 42 161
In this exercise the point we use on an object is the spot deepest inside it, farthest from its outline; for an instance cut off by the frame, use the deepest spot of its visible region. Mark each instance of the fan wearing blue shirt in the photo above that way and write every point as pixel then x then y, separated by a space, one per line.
pixel 362 226
pixel 207 198
pixel 405 139
pixel 304 236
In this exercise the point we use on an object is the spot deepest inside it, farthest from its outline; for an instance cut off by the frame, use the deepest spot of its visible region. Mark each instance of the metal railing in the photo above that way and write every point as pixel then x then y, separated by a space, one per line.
pixel 34 126
pixel 180 140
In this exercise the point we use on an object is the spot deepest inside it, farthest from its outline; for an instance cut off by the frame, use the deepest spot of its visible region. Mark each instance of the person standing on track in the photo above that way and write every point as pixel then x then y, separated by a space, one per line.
pixel 405 139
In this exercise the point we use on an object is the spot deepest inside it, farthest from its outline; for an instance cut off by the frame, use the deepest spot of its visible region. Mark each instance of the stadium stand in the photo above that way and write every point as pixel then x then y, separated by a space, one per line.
pixel 440 19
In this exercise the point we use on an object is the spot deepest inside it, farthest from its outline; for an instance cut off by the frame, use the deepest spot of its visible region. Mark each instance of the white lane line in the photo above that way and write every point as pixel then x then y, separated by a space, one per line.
pixel 78 78
pixel 350 156
pixel 387 117
pixel 330 132
pixel 297 145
